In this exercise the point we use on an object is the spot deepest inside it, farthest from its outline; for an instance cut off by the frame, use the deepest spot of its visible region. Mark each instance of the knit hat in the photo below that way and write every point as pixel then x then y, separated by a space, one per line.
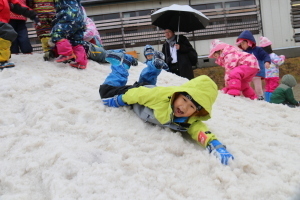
pixel 148 50
pixel 198 106
pixel 216 45
pixel 264 41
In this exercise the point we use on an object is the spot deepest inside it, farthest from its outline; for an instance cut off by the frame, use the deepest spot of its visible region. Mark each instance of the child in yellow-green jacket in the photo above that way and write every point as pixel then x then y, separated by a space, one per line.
pixel 181 108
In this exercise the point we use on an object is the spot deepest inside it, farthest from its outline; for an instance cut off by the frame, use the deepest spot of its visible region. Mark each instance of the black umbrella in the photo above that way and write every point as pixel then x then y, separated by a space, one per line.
pixel 179 17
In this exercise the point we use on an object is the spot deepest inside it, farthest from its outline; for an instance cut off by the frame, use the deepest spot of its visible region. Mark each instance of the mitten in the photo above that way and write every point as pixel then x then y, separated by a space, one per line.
pixel 115 101
pixel 216 148
pixel 158 63
pixel 158 54
pixel 37 21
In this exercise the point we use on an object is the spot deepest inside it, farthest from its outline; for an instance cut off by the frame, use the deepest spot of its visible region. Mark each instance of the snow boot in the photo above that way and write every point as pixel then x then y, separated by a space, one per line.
pixel 6 65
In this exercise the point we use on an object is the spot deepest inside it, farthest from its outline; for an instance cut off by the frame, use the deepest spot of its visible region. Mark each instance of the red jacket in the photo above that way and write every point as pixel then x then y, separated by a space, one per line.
pixel 16 16
pixel 16 7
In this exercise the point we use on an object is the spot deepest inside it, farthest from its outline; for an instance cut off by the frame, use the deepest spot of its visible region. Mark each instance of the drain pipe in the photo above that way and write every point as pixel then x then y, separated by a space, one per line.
pixel 262 27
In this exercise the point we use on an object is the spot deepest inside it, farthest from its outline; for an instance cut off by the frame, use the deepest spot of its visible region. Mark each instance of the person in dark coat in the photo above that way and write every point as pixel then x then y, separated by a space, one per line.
pixel 176 54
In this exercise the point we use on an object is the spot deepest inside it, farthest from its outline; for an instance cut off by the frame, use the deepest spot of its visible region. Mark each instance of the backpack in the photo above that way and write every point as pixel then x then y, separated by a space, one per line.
pixel 193 56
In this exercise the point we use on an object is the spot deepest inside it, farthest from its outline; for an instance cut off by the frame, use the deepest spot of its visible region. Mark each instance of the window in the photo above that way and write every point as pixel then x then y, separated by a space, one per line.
pixel 239 3
pixel 131 31
pixel 144 12
pixel 129 14
pixel 207 6
pixel 137 13
pixel 112 33
pixel 106 17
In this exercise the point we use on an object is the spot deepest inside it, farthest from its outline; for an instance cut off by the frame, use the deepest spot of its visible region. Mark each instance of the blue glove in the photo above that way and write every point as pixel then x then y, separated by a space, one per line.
pixel 216 148
pixel 115 101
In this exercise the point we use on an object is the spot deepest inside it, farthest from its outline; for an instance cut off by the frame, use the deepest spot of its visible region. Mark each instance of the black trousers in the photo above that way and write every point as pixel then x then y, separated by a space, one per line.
pixel 22 41
pixel 107 91
pixel 174 68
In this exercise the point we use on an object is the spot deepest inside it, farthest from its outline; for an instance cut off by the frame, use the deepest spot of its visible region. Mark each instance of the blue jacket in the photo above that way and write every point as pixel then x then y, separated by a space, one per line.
pixel 260 54
pixel 69 11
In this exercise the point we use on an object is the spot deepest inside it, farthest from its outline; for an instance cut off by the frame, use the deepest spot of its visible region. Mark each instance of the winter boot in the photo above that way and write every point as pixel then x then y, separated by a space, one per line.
pixel 268 96
pixel 128 61
pixel 65 51
pixel 77 65
pixel 260 98
pixel 6 65
pixel 150 73
pixel 48 55
pixel 45 45
pixel 114 58
pixel 65 59
pixel 119 75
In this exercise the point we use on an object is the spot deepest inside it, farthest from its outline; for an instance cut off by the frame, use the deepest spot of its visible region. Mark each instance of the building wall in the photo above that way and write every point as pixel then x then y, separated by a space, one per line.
pixel 276 21
pixel 277 24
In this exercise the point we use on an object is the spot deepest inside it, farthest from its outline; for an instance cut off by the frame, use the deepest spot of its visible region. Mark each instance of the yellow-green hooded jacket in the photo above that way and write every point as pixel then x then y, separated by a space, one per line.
pixel 155 105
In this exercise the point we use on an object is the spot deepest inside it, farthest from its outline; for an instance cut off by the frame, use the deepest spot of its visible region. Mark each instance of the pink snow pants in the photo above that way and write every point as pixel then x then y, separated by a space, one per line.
pixel 239 79
pixel 80 54
pixel 64 47
pixel 271 84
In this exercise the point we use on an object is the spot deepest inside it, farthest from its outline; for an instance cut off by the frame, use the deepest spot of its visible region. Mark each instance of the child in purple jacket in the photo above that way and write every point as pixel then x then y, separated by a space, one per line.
pixel 247 43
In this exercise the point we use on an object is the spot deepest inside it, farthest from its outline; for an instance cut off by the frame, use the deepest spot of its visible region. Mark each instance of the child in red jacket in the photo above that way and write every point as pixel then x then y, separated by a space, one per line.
pixel 7 33
pixel 22 42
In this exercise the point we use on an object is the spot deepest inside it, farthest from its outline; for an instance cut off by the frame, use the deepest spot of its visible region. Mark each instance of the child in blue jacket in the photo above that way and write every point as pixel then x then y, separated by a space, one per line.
pixel 181 108
pixel 247 43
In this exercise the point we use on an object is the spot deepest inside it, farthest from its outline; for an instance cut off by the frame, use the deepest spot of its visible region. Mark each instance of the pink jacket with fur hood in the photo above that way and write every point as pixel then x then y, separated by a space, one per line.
pixel 232 57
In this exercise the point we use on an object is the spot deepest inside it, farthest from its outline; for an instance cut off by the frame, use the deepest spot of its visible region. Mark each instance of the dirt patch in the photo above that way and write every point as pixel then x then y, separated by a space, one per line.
pixel 297 92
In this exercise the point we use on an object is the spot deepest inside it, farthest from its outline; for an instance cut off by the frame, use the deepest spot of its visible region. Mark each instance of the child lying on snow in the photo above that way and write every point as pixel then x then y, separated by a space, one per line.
pixel 181 108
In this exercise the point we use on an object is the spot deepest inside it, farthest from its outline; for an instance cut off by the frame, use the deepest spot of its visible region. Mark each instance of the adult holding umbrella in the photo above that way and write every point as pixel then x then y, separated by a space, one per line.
pixel 177 47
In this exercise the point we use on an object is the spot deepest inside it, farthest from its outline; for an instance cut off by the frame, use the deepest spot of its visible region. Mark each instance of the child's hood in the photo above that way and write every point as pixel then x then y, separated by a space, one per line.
pixel 289 80
pixel 203 90
pixel 247 35
pixel 148 49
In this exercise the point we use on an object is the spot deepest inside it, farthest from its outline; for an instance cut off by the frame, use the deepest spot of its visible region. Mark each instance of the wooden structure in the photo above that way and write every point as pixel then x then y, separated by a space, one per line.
pixel 137 31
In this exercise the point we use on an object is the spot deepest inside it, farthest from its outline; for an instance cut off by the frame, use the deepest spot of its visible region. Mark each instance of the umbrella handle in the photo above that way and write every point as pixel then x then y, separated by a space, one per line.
pixel 178 28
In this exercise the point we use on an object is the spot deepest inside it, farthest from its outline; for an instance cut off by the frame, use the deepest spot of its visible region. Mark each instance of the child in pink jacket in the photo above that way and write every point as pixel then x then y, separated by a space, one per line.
pixel 240 68
pixel 272 74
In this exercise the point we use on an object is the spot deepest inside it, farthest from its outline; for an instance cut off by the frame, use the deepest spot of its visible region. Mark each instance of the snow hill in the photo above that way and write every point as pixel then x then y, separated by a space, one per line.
pixel 58 141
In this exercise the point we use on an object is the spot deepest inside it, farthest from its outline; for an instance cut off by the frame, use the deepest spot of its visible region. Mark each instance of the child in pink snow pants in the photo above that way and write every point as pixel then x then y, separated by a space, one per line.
pixel 240 68
pixel 272 74
pixel 67 33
